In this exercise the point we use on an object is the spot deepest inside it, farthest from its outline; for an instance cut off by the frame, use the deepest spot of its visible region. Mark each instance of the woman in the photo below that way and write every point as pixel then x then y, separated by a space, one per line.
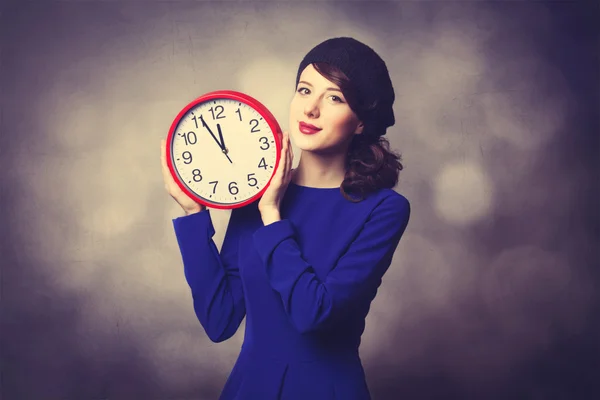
pixel 304 263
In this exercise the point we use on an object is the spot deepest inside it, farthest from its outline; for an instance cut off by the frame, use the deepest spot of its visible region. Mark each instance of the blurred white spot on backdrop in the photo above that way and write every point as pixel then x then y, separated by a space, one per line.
pixel 463 193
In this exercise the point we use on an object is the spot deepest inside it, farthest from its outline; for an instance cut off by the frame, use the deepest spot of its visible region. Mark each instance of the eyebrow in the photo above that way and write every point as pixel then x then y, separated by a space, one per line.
pixel 329 88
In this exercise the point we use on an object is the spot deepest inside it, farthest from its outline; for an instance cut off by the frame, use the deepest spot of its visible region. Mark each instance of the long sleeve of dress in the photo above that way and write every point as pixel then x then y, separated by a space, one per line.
pixel 213 278
pixel 312 303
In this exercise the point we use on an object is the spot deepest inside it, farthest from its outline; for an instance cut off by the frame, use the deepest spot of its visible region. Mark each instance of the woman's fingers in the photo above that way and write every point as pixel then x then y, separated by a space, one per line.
pixel 169 182
pixel 282 161
pixel 186 202
pixel 289 156
pixel 163 161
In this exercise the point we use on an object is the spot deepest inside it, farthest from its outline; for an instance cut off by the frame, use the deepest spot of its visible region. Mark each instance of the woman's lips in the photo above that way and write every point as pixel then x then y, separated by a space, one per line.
pixel 308 129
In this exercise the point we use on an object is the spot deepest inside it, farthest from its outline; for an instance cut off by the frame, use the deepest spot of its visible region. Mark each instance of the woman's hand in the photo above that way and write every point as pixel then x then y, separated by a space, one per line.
pixel 189 205
pixel 271 198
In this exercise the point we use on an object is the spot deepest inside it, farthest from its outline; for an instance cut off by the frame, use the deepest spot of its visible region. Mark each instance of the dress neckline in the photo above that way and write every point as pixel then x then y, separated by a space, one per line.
pixel 312 188
pixel 309 187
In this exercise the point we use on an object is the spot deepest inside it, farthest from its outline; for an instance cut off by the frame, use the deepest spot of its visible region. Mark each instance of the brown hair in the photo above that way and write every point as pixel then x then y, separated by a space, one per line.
pixel 370 165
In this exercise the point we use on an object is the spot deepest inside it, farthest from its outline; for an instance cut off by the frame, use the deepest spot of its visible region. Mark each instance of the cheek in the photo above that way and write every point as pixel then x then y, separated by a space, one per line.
pixel 342 122
pixel 295 105
pixel 293 113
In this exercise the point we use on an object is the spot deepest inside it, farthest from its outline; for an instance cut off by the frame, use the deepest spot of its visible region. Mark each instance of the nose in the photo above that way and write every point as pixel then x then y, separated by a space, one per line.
pixel 311 108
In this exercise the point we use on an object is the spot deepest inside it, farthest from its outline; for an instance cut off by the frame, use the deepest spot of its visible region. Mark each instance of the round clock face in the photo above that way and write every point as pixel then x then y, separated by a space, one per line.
pixel 223 149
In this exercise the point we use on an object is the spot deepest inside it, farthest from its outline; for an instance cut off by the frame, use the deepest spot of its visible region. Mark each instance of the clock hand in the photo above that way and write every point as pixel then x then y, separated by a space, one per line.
pixel 214 137
pixel 221 137
pixel 209 131
pixel 225 149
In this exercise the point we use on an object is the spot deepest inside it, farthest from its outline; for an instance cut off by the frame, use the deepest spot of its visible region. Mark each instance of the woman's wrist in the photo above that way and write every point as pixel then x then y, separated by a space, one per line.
pixel 200 208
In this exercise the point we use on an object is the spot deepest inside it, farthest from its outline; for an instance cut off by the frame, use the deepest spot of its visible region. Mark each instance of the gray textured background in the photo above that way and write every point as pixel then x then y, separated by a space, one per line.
pixel 491 293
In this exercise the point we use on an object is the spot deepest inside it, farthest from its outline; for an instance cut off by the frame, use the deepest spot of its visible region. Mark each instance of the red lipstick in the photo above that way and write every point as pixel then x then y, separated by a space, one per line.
pixel 308 129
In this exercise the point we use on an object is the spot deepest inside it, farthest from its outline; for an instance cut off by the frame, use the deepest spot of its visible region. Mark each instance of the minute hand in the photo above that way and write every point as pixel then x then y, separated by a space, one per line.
pixel 221 145
pixel 204 124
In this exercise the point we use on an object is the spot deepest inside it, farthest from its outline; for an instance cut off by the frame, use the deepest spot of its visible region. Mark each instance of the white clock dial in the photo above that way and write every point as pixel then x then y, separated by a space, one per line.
pixel 228 176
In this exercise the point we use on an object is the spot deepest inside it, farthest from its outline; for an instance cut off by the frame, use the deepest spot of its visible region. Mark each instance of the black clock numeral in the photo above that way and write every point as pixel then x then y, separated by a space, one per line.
pixel 255 126
pixel 266 142
pixel 262 163
pixel 197 176
pixel 254 179
pixel 239 113
pixel 217 108
pixel 235 187
pixel 188 137
pixel 195 121
pixel 187 157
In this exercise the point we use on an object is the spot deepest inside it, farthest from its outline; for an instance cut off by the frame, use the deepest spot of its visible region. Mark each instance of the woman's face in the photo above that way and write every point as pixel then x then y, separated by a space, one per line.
pixel 319 102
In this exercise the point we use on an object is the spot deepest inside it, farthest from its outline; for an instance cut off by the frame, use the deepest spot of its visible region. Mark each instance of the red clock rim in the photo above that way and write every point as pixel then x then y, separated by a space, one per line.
pixel 240 97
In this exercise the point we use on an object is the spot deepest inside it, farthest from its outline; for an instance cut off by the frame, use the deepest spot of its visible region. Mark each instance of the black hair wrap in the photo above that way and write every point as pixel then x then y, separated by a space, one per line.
pixel 368 73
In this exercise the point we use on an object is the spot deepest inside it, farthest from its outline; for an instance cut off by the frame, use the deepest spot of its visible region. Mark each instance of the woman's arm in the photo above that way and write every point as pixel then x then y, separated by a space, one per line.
pixel 312 303
pixel 214 279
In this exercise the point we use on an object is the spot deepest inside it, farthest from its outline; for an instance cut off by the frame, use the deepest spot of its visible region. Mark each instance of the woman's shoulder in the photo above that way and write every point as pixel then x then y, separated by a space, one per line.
pixel 383 202
pixel 390 198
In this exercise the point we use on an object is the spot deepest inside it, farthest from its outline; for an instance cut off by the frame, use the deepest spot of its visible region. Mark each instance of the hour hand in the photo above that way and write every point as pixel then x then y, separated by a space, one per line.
pixel 225 150
pixel 221 137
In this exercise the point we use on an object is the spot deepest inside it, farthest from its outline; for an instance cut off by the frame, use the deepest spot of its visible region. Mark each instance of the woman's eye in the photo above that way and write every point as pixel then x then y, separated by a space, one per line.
pixel 337 99
pixel 301 90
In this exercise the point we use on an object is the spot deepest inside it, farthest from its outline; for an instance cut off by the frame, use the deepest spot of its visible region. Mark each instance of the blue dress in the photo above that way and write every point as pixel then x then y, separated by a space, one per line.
pixel 304 284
